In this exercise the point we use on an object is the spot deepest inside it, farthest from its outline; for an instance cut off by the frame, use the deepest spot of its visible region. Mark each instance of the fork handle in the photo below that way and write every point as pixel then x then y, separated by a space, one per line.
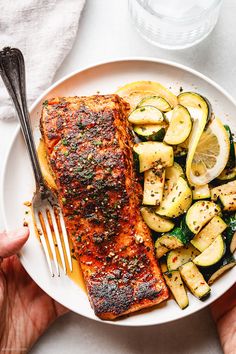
pixel 12 71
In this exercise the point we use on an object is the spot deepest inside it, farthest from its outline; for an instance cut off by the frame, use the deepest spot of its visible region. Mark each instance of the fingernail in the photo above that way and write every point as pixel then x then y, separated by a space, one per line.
pixel 19 233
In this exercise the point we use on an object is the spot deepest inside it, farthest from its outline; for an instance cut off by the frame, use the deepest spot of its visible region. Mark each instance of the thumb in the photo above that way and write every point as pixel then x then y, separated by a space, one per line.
pixel 11 242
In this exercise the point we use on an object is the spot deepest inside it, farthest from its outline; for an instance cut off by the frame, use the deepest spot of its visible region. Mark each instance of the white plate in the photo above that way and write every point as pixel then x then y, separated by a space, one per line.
pixel 18 182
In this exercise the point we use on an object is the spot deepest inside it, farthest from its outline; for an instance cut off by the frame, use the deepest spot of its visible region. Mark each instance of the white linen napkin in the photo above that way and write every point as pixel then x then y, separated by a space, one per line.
pixel 44 30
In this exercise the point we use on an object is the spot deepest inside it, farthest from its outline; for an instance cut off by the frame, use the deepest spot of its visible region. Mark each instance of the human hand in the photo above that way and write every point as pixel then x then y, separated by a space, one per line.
pixel 224 313
pixel 25 309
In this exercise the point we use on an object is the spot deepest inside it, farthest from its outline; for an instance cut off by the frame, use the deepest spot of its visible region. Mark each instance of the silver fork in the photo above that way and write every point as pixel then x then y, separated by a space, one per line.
pixel 47 213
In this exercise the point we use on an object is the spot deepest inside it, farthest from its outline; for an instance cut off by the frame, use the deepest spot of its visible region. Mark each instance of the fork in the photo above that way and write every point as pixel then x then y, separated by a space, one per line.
pixel 46 211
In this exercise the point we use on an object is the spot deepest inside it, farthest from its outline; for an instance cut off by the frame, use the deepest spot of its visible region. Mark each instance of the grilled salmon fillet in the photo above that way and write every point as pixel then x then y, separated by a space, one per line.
pixel 89 148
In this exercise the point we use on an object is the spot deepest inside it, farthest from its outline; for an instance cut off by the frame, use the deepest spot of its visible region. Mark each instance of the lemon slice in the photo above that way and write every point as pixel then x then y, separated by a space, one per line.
pixel 135 92
pixel 210 156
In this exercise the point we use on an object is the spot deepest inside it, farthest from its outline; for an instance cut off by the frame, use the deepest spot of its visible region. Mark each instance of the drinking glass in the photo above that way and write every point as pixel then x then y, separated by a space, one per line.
pixel 174 24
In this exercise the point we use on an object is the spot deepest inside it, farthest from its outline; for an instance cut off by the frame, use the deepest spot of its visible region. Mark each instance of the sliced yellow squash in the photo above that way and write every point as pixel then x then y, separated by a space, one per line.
pixel 199 110
pixel 135 92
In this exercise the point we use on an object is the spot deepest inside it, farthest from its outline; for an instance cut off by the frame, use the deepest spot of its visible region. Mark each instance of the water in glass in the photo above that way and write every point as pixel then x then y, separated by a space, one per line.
pixel 174 24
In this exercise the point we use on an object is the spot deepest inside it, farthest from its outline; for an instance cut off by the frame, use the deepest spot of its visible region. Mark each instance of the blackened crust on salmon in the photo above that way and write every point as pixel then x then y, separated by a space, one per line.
pixel 110 297
pixel 89 148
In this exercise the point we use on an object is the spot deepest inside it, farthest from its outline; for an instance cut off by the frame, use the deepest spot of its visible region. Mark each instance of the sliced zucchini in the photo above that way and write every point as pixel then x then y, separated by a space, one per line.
pixel 224 189
pixel 180 126
pixel 151 132
pixel 200 213
pixel 212 254
pixel 229 174
pixel 230 233
pixel 201 192
pixel 172 175
pixel 146 115
pixel 180 235
pixel 185 230
pixel 194 280
pixel 228 201
pixel 209 233
pixel 153 186
pixel 177 201
pixel 165 243
pixel 155 101
pixel 232 160
pixel 175 283
pixel 153 154
pixel 178 257
pixel 134 92
pixel 156 222
pixel 214 272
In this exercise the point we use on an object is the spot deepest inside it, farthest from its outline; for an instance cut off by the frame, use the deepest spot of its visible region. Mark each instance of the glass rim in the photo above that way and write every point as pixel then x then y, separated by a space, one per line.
pixel 174 19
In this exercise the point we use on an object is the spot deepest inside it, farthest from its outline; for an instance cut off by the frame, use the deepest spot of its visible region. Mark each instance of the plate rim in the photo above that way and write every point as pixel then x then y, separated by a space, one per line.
pixel 114 60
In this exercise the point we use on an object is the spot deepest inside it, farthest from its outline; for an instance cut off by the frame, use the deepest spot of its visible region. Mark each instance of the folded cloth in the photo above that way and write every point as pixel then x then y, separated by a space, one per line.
pixel 44 30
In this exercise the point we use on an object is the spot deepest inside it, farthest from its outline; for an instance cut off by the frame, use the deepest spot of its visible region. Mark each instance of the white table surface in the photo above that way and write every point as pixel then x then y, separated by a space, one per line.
pixel 105 32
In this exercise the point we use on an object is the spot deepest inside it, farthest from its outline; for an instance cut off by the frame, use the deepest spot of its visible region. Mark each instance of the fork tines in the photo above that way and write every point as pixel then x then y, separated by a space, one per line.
pixel 54 238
